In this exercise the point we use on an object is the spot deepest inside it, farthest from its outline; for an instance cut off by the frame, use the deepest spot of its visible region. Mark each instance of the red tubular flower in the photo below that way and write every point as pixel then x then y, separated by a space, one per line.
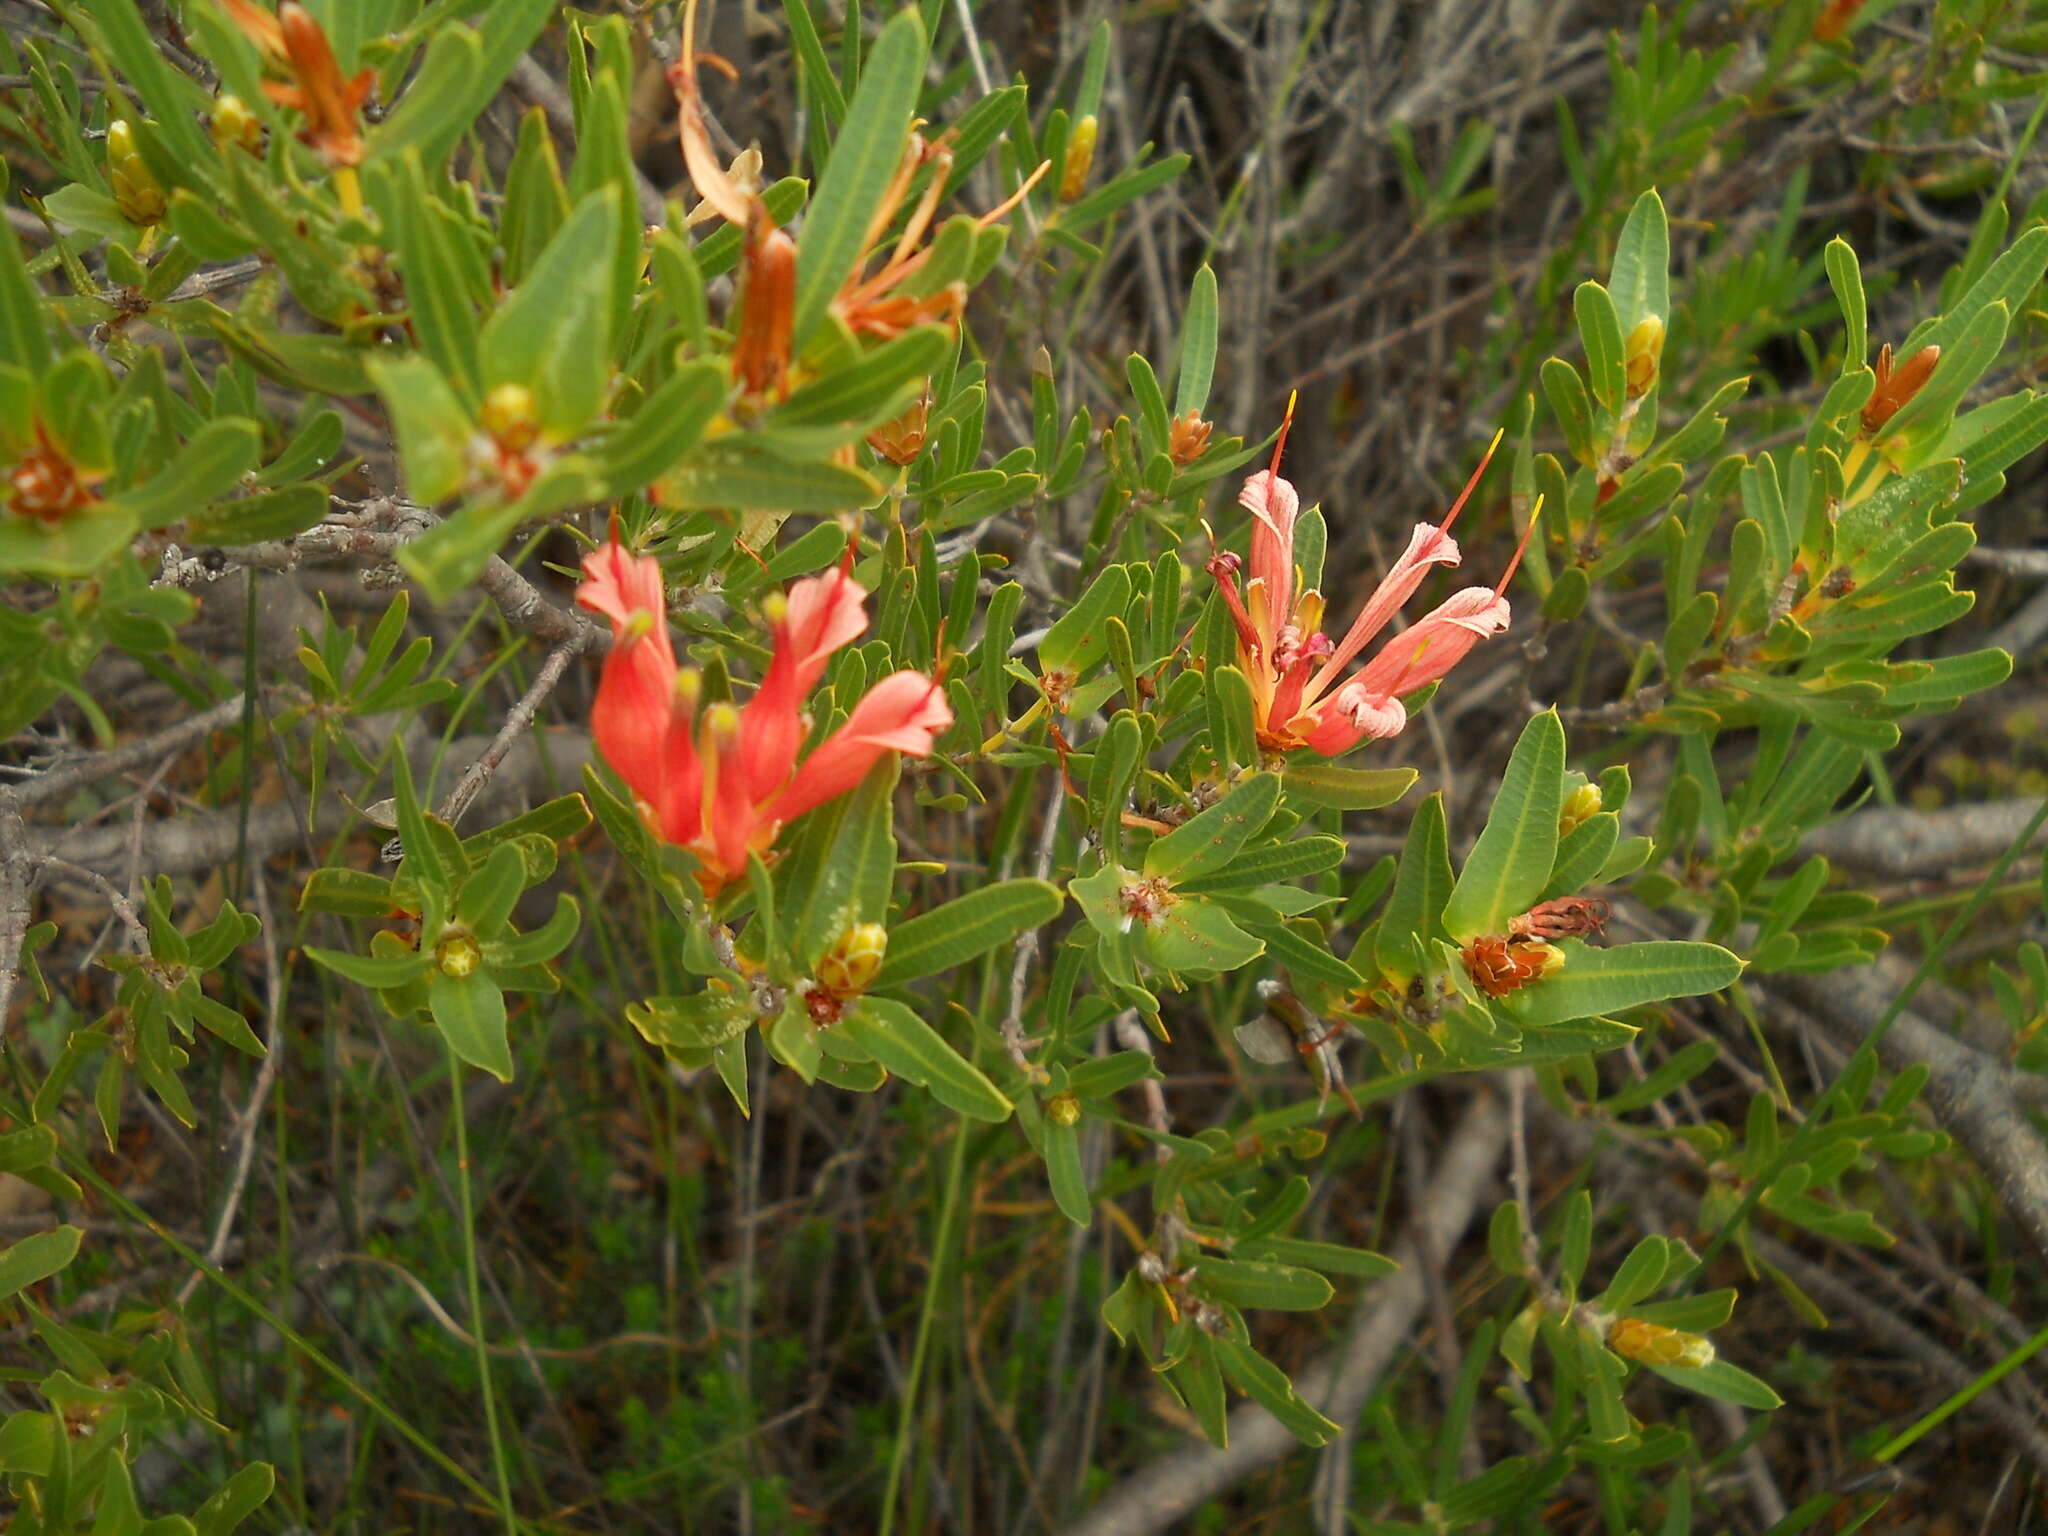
pixel 1299 694
pixel 721 781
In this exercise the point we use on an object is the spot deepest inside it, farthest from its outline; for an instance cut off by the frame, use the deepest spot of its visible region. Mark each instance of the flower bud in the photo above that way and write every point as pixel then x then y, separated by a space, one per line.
pixel 1063 1109
pixel 1580 806
pixel 1187 439
pixel 234 125
pixel 510 417
pixel 1641 354
pixel 901 441
pixel 848 968
pixel 1080 157
pixel 1654 1344
pixel 1499 966
pixel 1896 385
pixel 136 192
pixel 457 955
pixel 45 486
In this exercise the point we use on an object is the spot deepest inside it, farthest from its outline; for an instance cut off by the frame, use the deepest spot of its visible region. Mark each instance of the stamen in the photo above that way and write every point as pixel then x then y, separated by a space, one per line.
pixel 1280 442
pixel 1471 485
pixel 1528 533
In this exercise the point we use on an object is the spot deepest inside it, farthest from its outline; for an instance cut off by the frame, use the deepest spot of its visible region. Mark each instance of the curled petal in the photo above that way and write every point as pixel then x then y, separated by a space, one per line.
pixel 1438 643
pixel 1353 715
pixel 904 712
pixel 1274 504
pixel 820 615
pixel 1428 546
pixel 626 589
pixel 825 613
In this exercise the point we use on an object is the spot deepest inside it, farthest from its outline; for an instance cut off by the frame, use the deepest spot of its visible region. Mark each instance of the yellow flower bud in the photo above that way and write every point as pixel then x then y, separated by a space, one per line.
pixel 457 954
pixel 849 966
pixel 1654 1344
pixel 136 192
pixel 1641 354
pixel 1580 806
pixel 233 125
pixel 509 417
pixel 1063 1109
pixel 1080 157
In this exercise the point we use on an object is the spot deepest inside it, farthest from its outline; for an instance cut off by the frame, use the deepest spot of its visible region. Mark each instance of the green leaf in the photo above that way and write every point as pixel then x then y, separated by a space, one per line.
pixel 235 1500
pixel 668 424
pixel 1208 841
pixel 37 1258
pixel 1640 280
pixel 1065 1174
pixel 553 334
pixel 434 427
pixel 1196 935
pixel 1603 981
pixel 732 473
pixel 542 944
pixel 914 1051
pixel 856 396
pixel 1266 1384
pixel 865 156
pixel 1513 857
pixel 1845 276
pixel 1270 1287
pixel 1197 345
pixel 470 1013
pixel 1414 915
pixel 461 72
pixel 1600 331
pixel 490 893
pixel 1640 1275
pixel 840 875
pixel 1719 1379
pixel 1328 787
pixel 1079 637
pixel 963 929
pixel 379 971
pixel 267 515
pixel 210 465
pixel 24 329
pixel 702 1021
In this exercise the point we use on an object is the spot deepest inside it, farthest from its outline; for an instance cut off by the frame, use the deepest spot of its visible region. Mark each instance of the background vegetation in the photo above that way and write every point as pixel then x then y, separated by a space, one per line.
pixel 297 1248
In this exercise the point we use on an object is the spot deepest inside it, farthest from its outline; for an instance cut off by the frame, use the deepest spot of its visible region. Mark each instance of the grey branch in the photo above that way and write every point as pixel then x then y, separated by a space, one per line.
pixel 1903 843
pixel 1383 1325
pixel 1971 1094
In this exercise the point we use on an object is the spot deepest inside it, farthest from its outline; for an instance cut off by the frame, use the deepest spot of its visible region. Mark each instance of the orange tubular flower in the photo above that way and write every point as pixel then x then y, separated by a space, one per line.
pixel 46 487
pixel 292 41
pixel 721 780
pixel 1300 697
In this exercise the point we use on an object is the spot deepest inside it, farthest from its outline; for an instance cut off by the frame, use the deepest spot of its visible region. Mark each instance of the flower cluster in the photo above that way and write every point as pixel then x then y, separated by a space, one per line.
pixel 1300 695
pixel 720 779
pixel 869 304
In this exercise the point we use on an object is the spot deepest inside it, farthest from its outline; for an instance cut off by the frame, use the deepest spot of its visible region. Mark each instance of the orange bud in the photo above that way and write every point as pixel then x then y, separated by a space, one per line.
pixel 1499 966
pixel 46 486
pixel 1834 21
pixel 761 347
pixel 902 440
pixel 1188 438
pixel 1896 385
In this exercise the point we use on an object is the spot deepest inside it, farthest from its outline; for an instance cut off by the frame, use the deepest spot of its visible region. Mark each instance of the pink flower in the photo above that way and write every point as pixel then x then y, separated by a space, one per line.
pixel 721 780
pixel 1299 693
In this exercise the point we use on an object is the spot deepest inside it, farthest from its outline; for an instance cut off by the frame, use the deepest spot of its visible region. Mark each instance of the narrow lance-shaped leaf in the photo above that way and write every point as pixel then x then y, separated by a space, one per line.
pixel 1514 855
pixel 961 930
